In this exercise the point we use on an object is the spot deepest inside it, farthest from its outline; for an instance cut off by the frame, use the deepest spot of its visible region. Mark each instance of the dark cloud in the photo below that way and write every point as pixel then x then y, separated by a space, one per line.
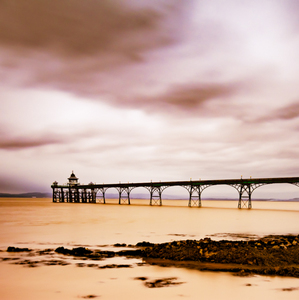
pixel 288 112
pixel 91 49
pixel 89 27
pixel 190 98
pixel 34 139
pixel 12 141
pixel 17 143
pixel 211 72
pixel 88 48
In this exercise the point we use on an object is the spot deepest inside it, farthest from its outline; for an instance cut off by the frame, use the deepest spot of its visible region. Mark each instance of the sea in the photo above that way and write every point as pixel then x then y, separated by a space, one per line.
pixel 40 224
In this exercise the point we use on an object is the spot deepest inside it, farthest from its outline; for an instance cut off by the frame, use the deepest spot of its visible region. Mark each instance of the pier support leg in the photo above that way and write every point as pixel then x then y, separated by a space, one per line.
pixel 194 196
pixel 156 196
pixel 102 197
pixel 245 196
pixel 77 196
pixel 62 195
pixel 85 195
pixel 126 193
pixel 53 195
pixel 249 197
pixel 93 196
pixel 70 195
pixel 56 195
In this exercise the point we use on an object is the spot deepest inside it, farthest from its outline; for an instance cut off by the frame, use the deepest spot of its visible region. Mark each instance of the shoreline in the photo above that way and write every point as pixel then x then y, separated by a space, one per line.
pixel 271 255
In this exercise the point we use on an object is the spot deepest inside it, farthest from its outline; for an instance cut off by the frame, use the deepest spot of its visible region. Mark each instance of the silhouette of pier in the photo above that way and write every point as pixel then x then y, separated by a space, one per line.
pixel 74 192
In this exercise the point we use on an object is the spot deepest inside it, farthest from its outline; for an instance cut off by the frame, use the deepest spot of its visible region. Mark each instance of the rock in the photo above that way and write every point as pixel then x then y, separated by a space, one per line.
pixel 16 249
pixel 158 283
pixel 113 266
pixel 141 278
pixel 133 253
pixel 62 250
pixel 144 244
pixel 206 240
pixel 120 245
pixel 80 251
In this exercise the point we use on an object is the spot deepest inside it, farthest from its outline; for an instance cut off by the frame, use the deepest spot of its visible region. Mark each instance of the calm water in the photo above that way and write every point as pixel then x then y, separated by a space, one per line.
pixel 41 224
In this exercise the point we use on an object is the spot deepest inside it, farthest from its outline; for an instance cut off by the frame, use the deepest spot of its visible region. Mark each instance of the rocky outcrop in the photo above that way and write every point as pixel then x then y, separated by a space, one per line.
pixel 16 249
pixel 272 255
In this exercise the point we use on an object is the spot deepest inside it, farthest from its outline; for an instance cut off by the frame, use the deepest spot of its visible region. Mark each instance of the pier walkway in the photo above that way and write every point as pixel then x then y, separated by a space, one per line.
pixel 96 193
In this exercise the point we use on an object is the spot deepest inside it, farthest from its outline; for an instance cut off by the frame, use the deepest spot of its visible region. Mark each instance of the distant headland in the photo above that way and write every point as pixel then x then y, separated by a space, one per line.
pixel 26 195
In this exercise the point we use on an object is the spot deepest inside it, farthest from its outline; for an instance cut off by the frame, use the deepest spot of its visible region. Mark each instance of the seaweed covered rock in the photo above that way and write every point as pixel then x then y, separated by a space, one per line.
pixel 80 251
pixel 271 251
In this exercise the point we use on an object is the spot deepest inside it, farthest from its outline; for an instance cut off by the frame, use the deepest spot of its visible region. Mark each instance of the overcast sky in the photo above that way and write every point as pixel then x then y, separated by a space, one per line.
pixel 130 90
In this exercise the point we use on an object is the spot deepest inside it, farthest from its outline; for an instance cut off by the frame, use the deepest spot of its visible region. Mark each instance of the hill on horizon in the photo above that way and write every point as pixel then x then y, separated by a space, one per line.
pixel 26 195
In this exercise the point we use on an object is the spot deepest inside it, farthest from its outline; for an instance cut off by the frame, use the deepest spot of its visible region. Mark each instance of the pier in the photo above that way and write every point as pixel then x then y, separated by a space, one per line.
pixel 74 192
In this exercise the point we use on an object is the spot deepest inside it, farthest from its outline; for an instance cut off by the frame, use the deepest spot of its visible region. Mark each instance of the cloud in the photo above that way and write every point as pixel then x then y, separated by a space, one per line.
pixel 153 55
pixel 89 27
pixel 204 99
pixel 18 143
pixel 88 48
pixel 35 139
pixel 139 90
pixel 288 112
pixel 191 97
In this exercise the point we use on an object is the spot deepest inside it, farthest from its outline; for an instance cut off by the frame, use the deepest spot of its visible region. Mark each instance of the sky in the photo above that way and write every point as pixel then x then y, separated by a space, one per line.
pixel 131 91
